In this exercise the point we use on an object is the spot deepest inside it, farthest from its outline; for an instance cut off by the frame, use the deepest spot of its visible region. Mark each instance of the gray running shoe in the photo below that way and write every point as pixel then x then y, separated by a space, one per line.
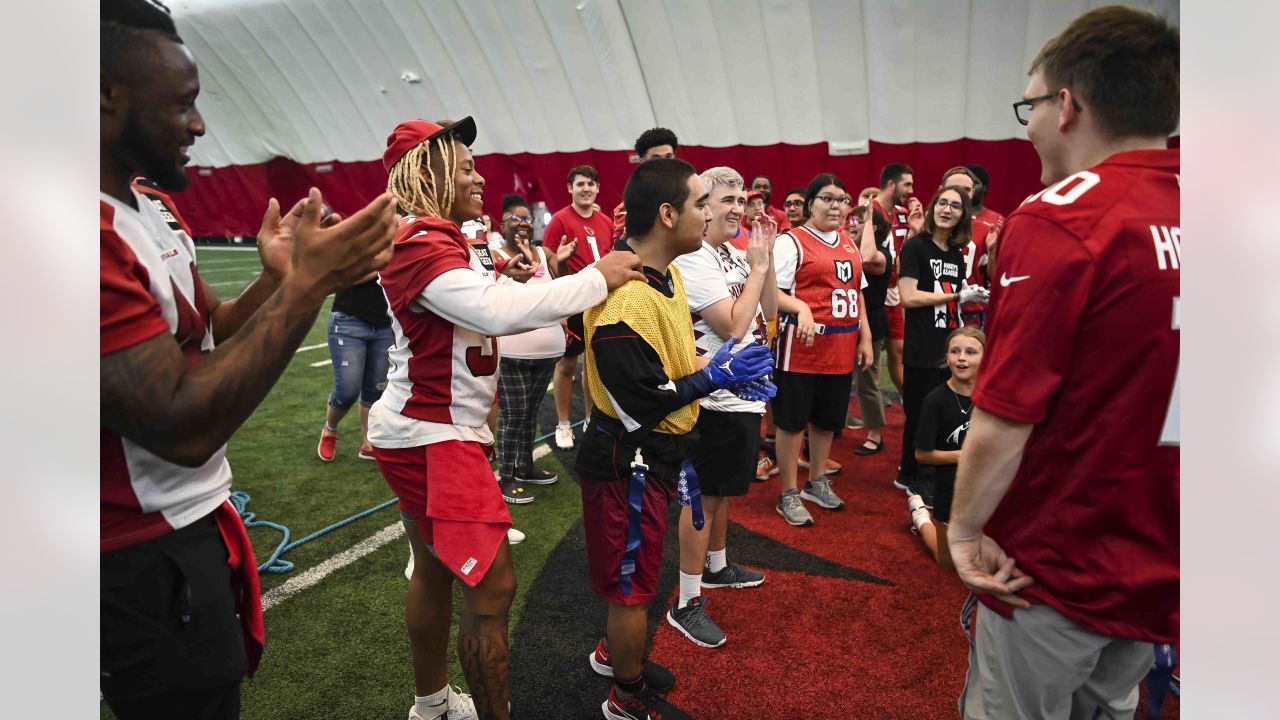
pixel 732 576
pixel 820 493
pixel 692 620
pixel 791 509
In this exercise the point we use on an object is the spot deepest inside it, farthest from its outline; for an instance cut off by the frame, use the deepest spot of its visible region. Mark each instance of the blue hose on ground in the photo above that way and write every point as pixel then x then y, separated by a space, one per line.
pixel 275 564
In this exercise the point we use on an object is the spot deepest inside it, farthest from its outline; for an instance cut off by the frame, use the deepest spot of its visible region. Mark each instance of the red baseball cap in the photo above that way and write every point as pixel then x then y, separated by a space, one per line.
pixel 753 194
pixel 409 134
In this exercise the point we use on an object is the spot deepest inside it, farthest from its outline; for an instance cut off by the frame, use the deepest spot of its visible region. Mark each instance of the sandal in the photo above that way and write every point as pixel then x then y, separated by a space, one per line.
pixel 876 446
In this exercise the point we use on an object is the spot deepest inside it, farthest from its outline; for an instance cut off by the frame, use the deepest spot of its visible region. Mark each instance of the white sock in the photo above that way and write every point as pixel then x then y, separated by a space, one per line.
pixel 716 560
pixel 434 705
pixel 690 588
pixel 566 423
pixel 920 518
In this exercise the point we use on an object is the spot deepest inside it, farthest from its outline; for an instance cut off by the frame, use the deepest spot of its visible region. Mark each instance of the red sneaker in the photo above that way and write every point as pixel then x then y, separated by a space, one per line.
pixel 326 447
pixel 658 678
pixel 644 705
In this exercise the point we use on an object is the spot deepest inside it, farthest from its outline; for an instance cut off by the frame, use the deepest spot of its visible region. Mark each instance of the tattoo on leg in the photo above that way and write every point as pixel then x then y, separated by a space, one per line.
pixel 482 650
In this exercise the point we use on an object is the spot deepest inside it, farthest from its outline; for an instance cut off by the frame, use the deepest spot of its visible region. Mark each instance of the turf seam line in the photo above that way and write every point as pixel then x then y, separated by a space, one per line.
pixel 314 575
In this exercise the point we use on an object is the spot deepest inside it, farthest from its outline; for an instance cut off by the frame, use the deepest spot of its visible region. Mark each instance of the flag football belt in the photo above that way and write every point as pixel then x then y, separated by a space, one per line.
pixel 819 328
pixel 690 493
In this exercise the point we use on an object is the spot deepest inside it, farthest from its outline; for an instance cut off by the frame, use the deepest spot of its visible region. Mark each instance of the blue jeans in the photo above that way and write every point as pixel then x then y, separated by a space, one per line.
pixel 359 352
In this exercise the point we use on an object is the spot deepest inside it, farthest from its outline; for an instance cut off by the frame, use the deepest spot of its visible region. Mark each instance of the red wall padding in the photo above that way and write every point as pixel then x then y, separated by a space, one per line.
pixel 231 200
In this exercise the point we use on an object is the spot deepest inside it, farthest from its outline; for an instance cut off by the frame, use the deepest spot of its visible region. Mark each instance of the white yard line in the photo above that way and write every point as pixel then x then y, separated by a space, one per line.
pixel 322 363
pixel 314 575
pixel 277 595
pixel 204 270
pixel 305 348
pixel 221 248
pixel 246 262
pixel 229 282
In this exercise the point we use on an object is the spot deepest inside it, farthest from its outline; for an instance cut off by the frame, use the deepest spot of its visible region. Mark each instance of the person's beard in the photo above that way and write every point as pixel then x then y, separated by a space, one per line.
pixel 138 153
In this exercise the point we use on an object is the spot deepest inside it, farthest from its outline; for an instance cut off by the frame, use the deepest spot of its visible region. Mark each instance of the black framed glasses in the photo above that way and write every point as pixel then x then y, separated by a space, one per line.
pixel 793 203
pixel 953 204
pixel 1022 108
pixel 526 219
pixel 844 200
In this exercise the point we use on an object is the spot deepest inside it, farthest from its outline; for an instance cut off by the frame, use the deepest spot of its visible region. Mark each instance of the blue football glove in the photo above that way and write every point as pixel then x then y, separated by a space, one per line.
pixel 761 390
pixel 729 369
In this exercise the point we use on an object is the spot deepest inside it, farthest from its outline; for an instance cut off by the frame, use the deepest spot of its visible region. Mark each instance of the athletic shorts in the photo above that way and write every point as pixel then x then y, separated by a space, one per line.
pixel 605 518
pixel 575 338
pixel 897 328
pixel 944 489
pixel 725 456
pixel 169 633
pixel 806 398
pixel 448 490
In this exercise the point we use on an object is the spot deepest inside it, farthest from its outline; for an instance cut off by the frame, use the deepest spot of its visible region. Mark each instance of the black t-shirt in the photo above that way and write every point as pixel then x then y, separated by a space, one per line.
pixel 926 328
pixel 878 285
pixel 944 421
pixel 365 302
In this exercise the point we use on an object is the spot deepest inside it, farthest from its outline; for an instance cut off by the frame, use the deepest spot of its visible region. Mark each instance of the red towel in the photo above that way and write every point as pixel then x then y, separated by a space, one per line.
pixel 468 516
pixel 244 582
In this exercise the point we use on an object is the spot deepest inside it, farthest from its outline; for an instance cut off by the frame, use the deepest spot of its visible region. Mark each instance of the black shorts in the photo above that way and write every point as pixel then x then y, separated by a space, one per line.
pixel 170 642
pixel 725 456
pixel 944 489
pixel 575 339
pixel 805 398
pixel 878 319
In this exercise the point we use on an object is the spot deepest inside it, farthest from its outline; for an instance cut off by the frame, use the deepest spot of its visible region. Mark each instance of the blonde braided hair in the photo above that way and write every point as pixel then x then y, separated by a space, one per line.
pixel 430 196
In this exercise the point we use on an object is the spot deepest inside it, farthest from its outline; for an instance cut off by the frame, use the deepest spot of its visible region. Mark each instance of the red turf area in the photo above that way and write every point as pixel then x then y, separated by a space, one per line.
pixel 816 647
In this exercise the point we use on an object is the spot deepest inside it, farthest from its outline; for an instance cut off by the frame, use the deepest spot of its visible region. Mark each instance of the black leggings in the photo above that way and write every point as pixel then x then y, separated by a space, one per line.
pixel 916 384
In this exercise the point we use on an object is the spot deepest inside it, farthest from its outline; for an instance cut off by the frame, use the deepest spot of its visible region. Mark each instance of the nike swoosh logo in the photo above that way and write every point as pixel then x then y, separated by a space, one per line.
pixel 1006 281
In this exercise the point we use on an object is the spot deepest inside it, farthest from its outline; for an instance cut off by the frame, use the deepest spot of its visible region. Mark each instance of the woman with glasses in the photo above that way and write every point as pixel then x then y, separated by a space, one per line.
pixel 931 286
pixel 819 275
pixel 528 359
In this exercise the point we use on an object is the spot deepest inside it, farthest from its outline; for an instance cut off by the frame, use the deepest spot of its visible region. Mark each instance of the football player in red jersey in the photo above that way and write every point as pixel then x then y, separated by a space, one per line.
pixel 1066 514
pixel 652 143
pixel 429 429
pixel 180 370
pixel 897 182
pixel 980 210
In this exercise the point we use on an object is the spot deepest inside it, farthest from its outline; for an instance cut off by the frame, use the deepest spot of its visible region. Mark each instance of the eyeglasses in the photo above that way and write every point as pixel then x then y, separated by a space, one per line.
pixel 844 200
pixel 1022 108
pixel 793 203
pixel 526 219
pixel 953 204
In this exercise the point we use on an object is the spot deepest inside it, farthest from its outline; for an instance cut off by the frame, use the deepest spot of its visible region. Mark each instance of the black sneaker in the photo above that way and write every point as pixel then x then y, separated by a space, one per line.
pixel 534 476
pixel 692 621
pixel 513 493
pixel 732 576
pixel 644 705
pixel 922 485
pixel 658 678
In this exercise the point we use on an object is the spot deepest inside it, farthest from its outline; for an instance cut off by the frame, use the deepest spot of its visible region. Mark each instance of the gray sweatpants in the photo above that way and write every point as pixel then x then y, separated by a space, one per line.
pixel 869 397
pixel 1042 666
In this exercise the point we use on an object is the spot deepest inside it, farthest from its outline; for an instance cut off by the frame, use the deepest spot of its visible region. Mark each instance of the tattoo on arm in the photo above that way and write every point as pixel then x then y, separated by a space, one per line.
pixel 149 395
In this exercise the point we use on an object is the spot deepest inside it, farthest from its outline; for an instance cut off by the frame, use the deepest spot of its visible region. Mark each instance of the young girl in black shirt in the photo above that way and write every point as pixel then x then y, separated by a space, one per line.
pixel 944 421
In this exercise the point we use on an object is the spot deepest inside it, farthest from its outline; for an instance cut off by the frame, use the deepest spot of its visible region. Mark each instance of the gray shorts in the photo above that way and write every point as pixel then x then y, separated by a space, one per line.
pixel 1041 665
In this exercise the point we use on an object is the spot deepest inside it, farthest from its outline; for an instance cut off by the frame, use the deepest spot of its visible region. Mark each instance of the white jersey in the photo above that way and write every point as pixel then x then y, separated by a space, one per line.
pixel 711 275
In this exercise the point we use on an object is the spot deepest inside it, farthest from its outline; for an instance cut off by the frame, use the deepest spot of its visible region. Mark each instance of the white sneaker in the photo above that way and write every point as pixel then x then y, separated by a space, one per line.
pixel 514 536
pixel 461 707
pixel 564 436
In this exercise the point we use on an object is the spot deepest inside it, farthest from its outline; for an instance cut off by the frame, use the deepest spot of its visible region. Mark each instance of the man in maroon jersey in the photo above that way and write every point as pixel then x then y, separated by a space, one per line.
pixel 583 223
pixel 1071 461
pixel 180 370
pixel 764 186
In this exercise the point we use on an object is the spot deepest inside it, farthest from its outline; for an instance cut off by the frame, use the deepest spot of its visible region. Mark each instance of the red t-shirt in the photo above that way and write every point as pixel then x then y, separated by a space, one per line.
pixel 1082 342
pixel 989 216
pixel 741 238
pixel 899 230
pixel 779 217
pixel 594 236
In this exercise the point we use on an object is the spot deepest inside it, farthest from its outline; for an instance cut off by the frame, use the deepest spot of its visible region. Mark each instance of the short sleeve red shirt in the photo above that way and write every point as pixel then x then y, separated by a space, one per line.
pixel 1082 343
pixel 594 235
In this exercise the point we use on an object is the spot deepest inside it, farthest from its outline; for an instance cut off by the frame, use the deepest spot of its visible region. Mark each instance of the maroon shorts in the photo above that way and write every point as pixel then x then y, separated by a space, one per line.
pixel 897 329
pixel 605 517
pixel 447 489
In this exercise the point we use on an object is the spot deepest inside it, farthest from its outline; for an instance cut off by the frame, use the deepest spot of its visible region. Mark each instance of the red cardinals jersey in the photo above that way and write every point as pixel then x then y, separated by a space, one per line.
pixel 594 236
pixel 899 230
pixel 975 269
pixel 440 372
pixel 1082 343
pixel 827 278
pixel 989 216
pixel 148 286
